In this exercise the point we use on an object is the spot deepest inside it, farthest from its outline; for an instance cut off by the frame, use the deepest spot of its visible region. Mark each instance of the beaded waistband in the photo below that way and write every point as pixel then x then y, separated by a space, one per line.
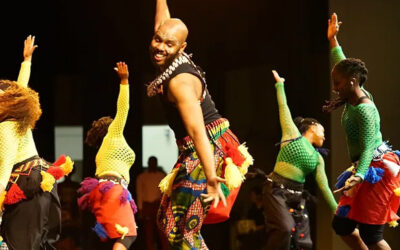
pixel 214 130
pixel 24 167
pixel 285 183
pixel 114 179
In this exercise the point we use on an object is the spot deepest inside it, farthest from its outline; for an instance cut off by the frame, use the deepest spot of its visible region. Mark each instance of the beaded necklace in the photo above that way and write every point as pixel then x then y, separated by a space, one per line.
pixel 154 87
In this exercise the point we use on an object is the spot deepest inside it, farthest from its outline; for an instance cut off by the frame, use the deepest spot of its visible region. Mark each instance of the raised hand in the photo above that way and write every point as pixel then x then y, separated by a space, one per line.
pixel 352 181
pixel 214 192
pixel 333 27
pixel 122 71
pixel 29 47
pixel 277 77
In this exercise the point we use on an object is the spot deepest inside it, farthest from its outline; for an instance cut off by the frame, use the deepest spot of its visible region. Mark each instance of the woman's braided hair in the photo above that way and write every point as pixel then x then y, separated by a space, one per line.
pixel 303 124
pixel 349 68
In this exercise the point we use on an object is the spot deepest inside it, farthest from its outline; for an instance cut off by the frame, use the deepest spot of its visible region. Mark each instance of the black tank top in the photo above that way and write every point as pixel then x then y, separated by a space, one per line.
pixel 210 113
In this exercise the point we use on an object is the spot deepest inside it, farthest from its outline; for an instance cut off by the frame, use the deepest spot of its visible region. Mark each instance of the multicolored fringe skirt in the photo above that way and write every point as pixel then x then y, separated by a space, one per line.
pixel 34 175
pixel 182 211
pixel 112 204
pixel 376 200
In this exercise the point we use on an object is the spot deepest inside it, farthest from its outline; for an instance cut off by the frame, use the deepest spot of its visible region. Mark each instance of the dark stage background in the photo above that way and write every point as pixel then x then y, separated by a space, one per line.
pixel 237 43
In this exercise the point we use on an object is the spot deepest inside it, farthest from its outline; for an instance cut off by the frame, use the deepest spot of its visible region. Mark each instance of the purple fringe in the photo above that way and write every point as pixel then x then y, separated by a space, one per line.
pixel 106 187
pixel 124 196
pixel 133 206
pixel 87 185
pixel 83 202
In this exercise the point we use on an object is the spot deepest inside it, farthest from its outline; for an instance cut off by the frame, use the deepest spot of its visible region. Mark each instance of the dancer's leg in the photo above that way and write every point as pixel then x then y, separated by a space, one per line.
pixel 347 230
pixel 372 235
pixel 354 241
pixel 118 246
pixel 279 221
pixel 182 213
pixel 381 245
pixel 124 244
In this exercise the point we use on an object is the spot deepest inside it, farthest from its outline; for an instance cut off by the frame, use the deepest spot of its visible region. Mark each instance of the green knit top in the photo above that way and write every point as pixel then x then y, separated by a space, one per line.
pixel 298 158
pixel 361 124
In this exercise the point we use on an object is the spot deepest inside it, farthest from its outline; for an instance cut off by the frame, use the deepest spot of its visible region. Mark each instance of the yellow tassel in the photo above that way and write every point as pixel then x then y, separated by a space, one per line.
pixel 47 181
pixel 393 223
pixel 248 159
pixel 122 230
pixel 233 176
pixel 2 198
pixel 67 166
pixel 166 183
pixel 397 191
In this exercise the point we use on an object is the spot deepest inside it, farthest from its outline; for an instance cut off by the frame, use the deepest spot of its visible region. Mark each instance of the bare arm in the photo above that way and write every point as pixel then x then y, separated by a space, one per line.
pixel 333 30
pixel 336 53
pixel 162 13
pixel 185 90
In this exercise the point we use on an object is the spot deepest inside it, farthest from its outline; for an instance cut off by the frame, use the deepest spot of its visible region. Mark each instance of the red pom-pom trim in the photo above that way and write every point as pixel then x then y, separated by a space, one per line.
pixel 14 195
pixel 232 152
pixel 57 172
pixel 61 160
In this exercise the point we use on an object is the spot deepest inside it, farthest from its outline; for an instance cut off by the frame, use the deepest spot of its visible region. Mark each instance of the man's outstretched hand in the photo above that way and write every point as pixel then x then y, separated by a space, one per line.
pixel 214 191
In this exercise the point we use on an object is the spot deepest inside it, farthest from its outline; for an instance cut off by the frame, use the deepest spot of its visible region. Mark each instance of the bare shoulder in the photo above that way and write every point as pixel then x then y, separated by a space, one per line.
pixel 185 84
pixel 184 79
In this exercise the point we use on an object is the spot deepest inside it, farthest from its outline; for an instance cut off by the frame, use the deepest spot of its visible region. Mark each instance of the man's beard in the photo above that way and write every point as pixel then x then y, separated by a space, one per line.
pixel 167 62
pixel 170 59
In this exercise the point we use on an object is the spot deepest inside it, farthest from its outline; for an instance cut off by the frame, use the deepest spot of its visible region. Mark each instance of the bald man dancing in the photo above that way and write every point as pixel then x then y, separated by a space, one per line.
pixel 211 163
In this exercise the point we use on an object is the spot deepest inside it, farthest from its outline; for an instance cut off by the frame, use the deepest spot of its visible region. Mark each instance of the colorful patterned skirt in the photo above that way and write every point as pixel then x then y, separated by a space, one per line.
pixel 112 204
pixel 376 200
pixel 182 210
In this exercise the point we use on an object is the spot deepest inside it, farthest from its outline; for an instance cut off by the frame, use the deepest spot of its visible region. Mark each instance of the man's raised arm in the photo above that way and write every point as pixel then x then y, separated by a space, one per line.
pixel 162 13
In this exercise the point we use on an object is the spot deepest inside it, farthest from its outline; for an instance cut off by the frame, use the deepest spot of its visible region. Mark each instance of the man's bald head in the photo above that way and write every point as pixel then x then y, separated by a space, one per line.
pixel 169 41
pixel 175 27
